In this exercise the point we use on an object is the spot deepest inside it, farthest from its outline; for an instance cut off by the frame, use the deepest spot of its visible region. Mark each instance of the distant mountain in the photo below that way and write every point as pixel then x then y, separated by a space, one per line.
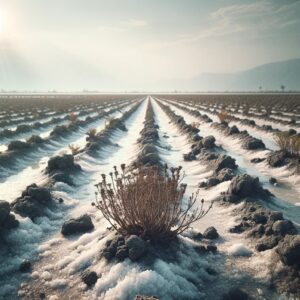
pixel 269 76
pixel 61 71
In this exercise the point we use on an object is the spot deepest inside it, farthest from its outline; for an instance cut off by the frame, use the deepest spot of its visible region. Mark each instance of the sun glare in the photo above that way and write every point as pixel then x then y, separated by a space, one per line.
pixel 1 22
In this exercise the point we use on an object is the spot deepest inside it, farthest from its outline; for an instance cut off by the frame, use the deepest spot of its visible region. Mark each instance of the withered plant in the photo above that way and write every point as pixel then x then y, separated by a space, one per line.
pixel 73 117
pixel 289 143
pixel 148 203
pixel 223 116
pixel 91 133
pixel 74 149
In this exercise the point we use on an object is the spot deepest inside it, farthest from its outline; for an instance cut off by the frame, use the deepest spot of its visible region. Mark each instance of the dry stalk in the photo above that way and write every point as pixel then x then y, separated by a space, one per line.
pixel 147 203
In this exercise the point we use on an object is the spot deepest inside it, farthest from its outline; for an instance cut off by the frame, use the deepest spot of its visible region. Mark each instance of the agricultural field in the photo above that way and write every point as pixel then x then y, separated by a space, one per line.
pixel 167 196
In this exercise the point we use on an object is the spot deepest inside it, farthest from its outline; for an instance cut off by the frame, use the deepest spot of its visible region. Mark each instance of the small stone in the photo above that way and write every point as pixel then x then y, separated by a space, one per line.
pixel 211 233
pixel 25 266
pixel 235 294
pixel 82 224
pixel 276 216
pixel 89 278
pixel 211 248
pixel 122 253
pixel 259 218
pixel 273 180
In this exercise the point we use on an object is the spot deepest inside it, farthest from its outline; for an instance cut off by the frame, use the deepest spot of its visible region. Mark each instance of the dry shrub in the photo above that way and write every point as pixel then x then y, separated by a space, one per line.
pixel 295 145
pixel 282 140
pixel 223 116
pixel 73 117
pixel 74 149
pixel 92 132
pixel 288 143
pixel 147 203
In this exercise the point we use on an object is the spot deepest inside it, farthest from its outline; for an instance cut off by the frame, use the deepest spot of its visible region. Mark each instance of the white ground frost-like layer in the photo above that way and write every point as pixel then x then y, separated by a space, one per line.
pixel 59 261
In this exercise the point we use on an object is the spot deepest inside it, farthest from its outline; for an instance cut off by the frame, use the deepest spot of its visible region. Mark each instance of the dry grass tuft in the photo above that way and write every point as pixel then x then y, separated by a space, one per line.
pixel 74 149
pixel 92 132
pixel 288 143
pixel 223 116
pixel 147 203
pixel 73 117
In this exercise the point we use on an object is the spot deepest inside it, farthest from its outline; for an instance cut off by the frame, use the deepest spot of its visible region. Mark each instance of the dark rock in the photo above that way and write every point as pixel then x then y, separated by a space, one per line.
pixel 267 127
pixel 210 233
pixel 202 184
pixel 41 195
pixel 189 156
pixel 4 211
pixel 27 207
pixel 273 180
pixel 62 163
pixel 62 177
pixel 276 215
pixel 208 155
pixel 122 252
pixel 277 159
pixel 233 130
pixel 89 278
pixel 79 225
pixel 211 248
pixel 200 248
pixel 112 246
pixel 137 247
pixel 283 227
pixel 208 142
pixel 266 243
pixel 212 182
pixel 253 144
pixel 257 160
pixel 243 226
pixel 289 251
pixel 245 186
pixel 151 159
pixel 225 175
pixel 23 128
pixel 25 266
pixel 259 218
pixel 235 294
pixel 17 145
pixel 107 255
pixel 32 202
pixel 292 132
pixel 10 222
pixel 224 161
pixel 257 231
pixel 35 139
pixel 197 236
pixel 196 138
pixel 59 130
pixel 231 198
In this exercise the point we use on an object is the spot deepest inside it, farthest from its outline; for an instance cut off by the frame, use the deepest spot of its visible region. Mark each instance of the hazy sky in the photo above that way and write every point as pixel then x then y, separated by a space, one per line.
pixel 131 43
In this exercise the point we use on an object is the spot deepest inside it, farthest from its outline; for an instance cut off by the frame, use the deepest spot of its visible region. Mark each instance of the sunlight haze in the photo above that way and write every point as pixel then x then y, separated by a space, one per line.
pixel 138 44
